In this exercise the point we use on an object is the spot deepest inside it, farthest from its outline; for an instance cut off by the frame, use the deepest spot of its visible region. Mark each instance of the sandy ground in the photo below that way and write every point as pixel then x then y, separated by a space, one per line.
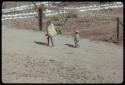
pixel 26 59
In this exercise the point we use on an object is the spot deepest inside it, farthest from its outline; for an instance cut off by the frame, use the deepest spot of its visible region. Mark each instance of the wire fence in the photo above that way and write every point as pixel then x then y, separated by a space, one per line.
pixel 96 27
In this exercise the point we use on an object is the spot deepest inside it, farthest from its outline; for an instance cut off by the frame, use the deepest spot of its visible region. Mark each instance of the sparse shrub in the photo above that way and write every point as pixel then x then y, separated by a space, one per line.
pixel 72 15
pixel 55 18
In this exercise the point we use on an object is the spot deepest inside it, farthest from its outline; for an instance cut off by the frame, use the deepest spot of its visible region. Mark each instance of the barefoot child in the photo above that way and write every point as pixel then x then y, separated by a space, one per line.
pixel 76 38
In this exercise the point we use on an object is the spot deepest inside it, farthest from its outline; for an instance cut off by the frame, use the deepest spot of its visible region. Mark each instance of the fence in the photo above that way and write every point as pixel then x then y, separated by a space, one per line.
pixel 96 27
pixel 93 26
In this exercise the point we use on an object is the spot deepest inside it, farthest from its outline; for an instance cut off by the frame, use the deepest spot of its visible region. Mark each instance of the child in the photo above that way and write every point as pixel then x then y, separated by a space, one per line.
pixel 51 32
pixel 76 38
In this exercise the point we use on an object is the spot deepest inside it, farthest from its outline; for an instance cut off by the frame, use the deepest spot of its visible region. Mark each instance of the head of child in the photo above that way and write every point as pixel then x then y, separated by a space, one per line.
pixel 49 22
pixel 76 32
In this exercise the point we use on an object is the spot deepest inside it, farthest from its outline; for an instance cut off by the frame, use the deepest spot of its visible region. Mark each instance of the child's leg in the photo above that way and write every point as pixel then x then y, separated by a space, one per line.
pixel 75 44
pixel 51 38
pixel 48 40
pixel 78 44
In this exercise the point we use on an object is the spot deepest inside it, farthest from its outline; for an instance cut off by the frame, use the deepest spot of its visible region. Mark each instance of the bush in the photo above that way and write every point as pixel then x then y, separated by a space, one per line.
pixel 72 15
pixel 55 18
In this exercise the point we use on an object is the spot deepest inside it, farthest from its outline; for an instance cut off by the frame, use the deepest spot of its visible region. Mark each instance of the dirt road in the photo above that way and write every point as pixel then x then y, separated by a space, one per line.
pixel 26 59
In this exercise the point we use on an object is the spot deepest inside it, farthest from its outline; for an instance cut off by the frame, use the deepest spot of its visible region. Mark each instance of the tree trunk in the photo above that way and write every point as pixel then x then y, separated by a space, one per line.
pixel 40 19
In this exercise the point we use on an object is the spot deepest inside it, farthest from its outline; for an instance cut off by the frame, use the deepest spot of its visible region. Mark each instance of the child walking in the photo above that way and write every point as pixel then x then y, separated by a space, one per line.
pixel 76 38
pixel 51 32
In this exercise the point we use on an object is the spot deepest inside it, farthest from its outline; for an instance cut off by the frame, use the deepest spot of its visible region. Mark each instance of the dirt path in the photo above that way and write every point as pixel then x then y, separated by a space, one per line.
pixel 26 59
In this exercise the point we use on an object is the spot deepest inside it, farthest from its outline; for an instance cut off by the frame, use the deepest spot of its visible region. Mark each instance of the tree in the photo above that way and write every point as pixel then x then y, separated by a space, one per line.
pixel 40 13
pixel 64 14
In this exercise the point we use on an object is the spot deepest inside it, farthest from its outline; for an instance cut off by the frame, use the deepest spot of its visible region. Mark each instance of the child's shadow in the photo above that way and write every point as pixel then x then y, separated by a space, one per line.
pixel 41 43
pixel 70 45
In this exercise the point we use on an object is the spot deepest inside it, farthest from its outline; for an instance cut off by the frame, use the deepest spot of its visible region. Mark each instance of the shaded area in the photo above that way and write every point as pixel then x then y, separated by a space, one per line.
pixel 41 43
pixel 70 45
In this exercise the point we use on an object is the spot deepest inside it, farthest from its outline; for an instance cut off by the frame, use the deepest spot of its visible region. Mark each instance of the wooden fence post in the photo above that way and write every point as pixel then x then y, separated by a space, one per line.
pixel 117 30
